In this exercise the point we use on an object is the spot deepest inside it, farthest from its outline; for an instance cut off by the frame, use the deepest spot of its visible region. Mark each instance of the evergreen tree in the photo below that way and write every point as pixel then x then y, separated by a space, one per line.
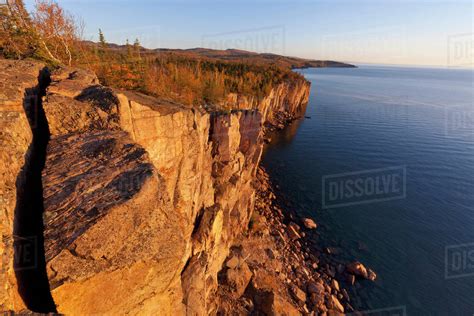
pixel 136 48
pixel 129 50
pixel 102 41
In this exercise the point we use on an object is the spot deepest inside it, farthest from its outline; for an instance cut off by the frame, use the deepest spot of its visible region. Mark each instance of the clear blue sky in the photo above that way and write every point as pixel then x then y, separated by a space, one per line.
pixel 422 32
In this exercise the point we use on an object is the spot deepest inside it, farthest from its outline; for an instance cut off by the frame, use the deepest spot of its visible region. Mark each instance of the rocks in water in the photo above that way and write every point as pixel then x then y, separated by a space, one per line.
pixel 335 304
pixel 335 285
pixel 289 271
pixel 358 269
pixel 371 275
pixel 333 250
pixel 350 279
pixel 345 294
pixel 309 223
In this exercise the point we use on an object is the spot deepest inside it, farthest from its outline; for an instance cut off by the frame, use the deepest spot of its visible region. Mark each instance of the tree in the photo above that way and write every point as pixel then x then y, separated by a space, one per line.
pixel 18 38
pixel 102 41
pixel 129 50
pixel 57 28
pixel 136 47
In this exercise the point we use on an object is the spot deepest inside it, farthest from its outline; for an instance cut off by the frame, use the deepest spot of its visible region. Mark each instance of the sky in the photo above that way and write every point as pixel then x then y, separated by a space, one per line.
pixel 400 32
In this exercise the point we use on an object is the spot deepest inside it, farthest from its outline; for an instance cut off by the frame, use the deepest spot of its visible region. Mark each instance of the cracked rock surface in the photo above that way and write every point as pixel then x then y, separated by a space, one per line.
pixel 143 198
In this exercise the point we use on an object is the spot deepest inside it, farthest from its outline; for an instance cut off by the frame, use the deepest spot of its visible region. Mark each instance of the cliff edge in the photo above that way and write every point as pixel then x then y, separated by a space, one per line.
pixel 139 200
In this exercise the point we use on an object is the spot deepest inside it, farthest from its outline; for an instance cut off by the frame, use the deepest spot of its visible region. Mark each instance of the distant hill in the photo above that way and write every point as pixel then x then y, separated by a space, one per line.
pixel 236 55
pixel 266 58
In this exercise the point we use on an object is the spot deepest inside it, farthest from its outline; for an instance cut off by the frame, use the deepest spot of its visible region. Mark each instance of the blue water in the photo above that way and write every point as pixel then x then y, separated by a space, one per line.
pixel 418 120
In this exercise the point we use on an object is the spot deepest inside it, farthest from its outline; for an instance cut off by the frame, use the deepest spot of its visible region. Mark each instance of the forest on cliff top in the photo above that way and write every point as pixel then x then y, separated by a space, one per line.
pixel 52 35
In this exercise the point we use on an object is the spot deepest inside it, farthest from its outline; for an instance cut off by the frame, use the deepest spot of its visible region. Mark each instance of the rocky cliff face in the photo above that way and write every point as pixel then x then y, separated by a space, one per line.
pixel 142 198
pixel 19 96
pixel 285 102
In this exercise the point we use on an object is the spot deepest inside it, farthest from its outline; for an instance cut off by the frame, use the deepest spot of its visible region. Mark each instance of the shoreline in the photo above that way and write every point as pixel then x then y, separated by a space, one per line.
pixel 280 254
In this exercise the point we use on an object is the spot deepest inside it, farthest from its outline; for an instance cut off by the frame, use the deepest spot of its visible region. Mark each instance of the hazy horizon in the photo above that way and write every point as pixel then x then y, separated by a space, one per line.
pixel 388 32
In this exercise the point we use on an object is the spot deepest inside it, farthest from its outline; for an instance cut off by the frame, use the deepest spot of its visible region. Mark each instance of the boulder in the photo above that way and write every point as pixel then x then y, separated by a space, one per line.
pixel 232 263
pixel 371 275
pixel 335 304
pixel 358 269
pixel 293 233
pixel 335 285
pixel 269 302
pixel 309 223
pixel 316 299
pixel 239 278
pixel 298 294
pixel 314 287
pixel 350 279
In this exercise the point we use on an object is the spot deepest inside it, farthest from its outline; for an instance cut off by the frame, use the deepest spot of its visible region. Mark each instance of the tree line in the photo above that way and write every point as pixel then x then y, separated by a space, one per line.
pixel 53 35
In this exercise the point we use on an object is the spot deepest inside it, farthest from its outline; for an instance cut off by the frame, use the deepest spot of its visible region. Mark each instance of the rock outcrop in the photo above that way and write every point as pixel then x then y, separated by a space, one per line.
pixel 285 102
pixel 19 95
pixel 143 198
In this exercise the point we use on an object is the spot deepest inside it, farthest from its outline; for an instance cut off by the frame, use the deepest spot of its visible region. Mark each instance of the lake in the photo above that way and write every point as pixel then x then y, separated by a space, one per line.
pixel 384 162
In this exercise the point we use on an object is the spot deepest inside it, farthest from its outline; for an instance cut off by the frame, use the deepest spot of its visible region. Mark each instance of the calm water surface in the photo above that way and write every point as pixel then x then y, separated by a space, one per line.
pixel 375 117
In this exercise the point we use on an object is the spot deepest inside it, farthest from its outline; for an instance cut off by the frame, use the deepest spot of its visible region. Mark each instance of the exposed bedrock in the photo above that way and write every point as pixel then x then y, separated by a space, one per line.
pixel 23 140
pixel 143 198
pixel 285 102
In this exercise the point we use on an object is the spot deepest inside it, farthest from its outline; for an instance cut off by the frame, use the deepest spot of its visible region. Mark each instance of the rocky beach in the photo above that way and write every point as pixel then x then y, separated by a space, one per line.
pixel 278 266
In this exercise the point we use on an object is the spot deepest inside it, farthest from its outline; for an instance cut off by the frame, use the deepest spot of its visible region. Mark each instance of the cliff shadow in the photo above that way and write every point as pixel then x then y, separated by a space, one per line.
pixel 29 256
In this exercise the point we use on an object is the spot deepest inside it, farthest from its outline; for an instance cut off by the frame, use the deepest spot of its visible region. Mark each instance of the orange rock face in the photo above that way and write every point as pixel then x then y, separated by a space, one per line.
pixel 143 198
pixel 18 85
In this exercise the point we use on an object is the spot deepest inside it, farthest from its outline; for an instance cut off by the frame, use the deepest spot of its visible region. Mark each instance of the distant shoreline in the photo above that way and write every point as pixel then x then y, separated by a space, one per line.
pixel 324 64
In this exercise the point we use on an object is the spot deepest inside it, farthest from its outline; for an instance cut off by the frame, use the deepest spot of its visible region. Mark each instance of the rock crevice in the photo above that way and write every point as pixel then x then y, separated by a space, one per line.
pixel 28 240
pixel 144 198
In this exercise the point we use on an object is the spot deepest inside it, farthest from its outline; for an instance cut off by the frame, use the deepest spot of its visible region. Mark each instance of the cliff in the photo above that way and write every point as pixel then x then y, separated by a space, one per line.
pixel 19 99
pixel 141 199
pixel 286 102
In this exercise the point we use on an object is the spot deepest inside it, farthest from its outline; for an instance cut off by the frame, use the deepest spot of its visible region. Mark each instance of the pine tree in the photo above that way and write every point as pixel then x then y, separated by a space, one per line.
pixel 136 48
pixel 129 50
pixel 102 41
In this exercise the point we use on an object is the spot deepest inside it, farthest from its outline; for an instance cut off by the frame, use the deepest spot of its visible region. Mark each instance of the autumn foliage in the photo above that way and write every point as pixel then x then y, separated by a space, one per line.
pixel 57 28
pixel 54 35
pixel 191 81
